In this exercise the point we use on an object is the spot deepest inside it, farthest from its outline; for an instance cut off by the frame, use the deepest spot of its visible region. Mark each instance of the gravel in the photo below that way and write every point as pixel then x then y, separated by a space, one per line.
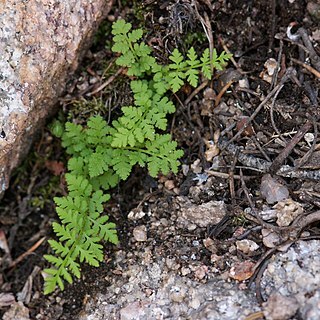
pixel 295 275
pixel 151 292
pixel 168 273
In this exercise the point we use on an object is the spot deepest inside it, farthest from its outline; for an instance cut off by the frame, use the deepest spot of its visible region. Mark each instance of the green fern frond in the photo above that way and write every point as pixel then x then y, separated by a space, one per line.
pixel 178 60
pixel 73 139
pixel 76 166
pixel 78 185
pixel 206 66
pixel 121 163
pixel 97 131
pixel 97 164
pixel 96 201
pixel 105 181
pixel 121 27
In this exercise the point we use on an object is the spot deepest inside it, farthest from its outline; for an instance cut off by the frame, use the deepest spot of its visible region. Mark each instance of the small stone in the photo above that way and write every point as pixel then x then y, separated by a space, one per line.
pixel 185 271
pixel 170 262
pixel 209 213
pixel 287 211
pixel 270 67
pixel 195 303
pixel 272 190
pixel 201 272
pixel 209 94
pixel 17 311
pixel 214 258
pixel 134 310
pixel 238 232
pixel 169 184
pixel 6 299
pixel 136 214
pixel 232 249
pixel 195 243
pixel 196 166
pixel 185 169
pixel 316 35
pixel 210 245
pixel 271 64
pixel 314 10
pixel 270 238
pixel 176 191
pixel 177 294
pixel 148 292
pixel 305 234
pixel 242 270
pixel 246 246
pixel 212 150
pixel 279 307
pixel 140 233
pixel 192 227
pixel 244 83
pixel 309 137
pixel 268 214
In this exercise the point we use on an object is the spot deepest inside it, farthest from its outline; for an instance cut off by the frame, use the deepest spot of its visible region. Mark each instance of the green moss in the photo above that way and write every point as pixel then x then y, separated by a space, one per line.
pixel 83 109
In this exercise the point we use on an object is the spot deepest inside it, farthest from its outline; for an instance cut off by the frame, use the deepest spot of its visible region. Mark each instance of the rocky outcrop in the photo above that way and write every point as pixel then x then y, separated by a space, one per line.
pixel 41 43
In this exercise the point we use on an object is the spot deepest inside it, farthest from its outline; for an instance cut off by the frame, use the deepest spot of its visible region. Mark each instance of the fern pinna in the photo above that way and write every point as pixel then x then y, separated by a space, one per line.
pixel 101 155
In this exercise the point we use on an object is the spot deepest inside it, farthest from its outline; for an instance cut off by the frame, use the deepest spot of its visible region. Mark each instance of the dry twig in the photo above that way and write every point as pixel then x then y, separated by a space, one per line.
pixel 307 67
pixel 289 73
pixel 283 155
pixel 196 91
pixel 222 92
pixel 258 164
pixel 307 156
pixel 28 252
pixel 106 83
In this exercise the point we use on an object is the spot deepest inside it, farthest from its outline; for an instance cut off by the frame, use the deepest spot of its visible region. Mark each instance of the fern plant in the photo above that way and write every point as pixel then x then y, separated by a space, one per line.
pixel 101 154
pixel 136 56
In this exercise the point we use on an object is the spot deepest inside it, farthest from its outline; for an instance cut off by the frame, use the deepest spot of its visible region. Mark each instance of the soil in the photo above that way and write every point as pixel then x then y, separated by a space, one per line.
pixel 254 32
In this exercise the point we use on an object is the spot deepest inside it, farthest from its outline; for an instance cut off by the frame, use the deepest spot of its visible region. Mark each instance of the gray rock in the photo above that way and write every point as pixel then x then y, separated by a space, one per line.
pixel 296 275
pixel 159 294
pixel 314 10
pixel 41 44
pixel 272 190
pixel 209 213
pixel 311 309
pixel 279 307
pixel 17 311
pixel 246 246
pixel 140 233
